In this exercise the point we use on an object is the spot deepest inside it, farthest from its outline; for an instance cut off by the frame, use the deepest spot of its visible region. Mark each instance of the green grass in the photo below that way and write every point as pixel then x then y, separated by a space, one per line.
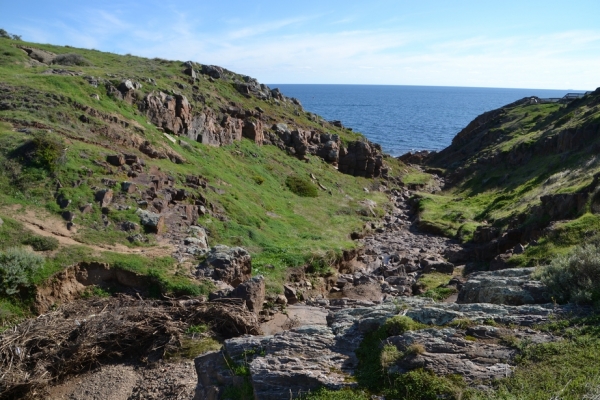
pixel 372 375
pixel 432 285
pixel 565 369
pixel 416 178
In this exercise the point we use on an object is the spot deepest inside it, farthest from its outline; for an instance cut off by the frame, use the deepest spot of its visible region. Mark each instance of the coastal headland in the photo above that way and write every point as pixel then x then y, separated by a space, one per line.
pixel 176 230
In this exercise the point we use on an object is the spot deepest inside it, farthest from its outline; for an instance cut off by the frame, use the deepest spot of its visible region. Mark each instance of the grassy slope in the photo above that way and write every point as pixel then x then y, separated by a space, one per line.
pixel 278 227
pixel 505 194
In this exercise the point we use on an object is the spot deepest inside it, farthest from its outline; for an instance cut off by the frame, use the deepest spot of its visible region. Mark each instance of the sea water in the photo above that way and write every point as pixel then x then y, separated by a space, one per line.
pixel 406 118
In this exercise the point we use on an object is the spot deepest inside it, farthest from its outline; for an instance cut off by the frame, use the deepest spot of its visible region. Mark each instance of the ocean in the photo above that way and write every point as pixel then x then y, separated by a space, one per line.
pixel 406 118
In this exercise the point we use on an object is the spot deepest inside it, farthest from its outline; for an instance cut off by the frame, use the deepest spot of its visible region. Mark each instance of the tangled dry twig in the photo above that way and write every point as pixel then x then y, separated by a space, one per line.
pixel 84 334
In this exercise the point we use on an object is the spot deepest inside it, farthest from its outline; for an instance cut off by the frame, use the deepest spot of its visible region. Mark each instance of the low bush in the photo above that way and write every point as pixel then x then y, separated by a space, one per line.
pixel 41 243
pixel 301 186
pixel 71 59
pixel 17 267
pixel 43 151
pixel 574 277
pixel 399 324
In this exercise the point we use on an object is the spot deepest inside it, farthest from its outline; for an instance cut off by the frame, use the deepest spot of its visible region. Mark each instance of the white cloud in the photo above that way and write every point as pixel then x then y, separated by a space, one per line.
pixel 276 51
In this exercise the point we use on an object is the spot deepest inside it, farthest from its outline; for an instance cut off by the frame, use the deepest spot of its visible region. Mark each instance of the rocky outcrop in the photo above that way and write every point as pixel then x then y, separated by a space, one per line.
pixel 42 56
pixel 171 113
pixel 311 356
pixel 228 264
pixel 508 286
pixel 362 159
pixel 444 352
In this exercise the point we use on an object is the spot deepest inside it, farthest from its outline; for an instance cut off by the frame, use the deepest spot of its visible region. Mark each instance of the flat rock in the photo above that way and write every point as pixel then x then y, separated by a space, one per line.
pixel 508 286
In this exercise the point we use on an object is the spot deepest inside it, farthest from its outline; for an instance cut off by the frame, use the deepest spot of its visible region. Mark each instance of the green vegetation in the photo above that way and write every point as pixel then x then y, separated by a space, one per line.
pixel 192 347
pixel 41 243
pixel 71 59
pixel 574 277
pixel 346 394
pixel 301 186
pixel 376 357
pixel 17 268
pixel 433 286
pixel 565 369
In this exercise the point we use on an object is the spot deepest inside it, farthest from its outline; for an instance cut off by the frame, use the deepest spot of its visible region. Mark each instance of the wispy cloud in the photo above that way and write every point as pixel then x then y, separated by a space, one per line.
pixel 319 49
pixel 268 27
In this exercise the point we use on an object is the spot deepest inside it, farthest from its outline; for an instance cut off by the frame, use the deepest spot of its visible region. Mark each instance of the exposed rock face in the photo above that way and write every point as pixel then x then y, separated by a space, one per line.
pixel 228 264
pixel 508 286
pixel 42 56
pixel 444 353
pixel 311 356
pixel 253 130
pixel 172 113
pixel 362 159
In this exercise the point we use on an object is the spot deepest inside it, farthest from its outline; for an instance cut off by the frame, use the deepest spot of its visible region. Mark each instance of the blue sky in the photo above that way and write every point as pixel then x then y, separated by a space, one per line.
pixel 522 44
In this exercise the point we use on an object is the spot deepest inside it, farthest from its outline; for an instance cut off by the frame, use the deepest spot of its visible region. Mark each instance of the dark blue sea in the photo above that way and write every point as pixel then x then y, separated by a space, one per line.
pixel 406 118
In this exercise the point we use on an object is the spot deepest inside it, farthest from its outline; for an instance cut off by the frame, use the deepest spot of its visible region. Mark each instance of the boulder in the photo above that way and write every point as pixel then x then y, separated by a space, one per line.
pixel 105 197
pixel 434 264
pixel 198 233
pixel 128 187
pixel 228 264
pixel 290 294
pixel 116 159
pixel 252 292
pixel 62 201
pixel 152 222
pixel 212 70
pixel 190 72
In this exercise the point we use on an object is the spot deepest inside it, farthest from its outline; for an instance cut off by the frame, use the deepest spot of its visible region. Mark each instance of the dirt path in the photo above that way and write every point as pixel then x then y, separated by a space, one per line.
pixel 44 224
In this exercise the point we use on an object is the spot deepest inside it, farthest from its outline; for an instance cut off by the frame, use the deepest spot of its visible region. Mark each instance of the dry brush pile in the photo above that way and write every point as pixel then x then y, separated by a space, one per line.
pixel 85 334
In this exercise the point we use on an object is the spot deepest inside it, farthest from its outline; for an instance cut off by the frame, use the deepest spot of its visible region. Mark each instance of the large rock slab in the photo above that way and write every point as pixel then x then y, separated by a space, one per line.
pixel 509 286
pixel 444 352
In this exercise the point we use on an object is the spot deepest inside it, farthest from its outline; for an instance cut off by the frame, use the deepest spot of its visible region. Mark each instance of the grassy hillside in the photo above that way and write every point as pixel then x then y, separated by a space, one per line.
pixel 518 169
pixel 51 149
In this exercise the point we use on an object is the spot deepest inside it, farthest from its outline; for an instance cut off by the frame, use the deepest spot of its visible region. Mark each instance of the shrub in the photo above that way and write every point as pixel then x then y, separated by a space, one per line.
pixel 574 277
pixel 301 186
pixel 259 180
pixel 399 324
pixel 42 151
pixel 71 59
pixel 17 266
pixel 41 243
